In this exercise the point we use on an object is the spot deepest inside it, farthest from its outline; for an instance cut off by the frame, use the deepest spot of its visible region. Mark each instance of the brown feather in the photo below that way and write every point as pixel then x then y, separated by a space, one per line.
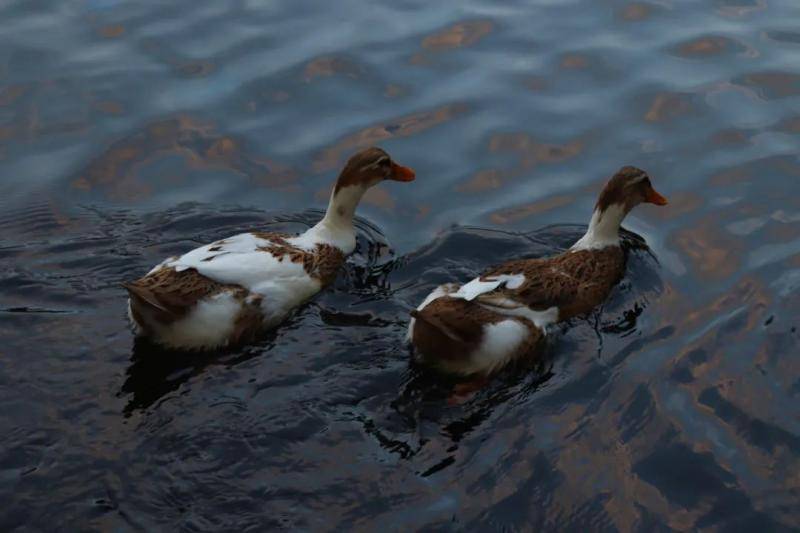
pixel 465 320
pixel 449 330
pixel 575 281
pixel 169 295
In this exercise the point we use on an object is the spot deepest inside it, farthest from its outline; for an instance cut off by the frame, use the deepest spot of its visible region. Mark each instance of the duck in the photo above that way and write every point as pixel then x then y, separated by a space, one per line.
pixel 478 328
pixel 229 291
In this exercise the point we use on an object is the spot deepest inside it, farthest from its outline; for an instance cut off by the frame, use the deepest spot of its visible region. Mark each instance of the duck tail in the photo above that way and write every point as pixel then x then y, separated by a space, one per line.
pixel 439 325
pixel 145 309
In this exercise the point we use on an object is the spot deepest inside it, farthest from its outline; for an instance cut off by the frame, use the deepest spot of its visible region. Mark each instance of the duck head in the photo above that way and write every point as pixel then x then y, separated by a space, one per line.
pixel 626 189
pixel 362 171
pixel 370 167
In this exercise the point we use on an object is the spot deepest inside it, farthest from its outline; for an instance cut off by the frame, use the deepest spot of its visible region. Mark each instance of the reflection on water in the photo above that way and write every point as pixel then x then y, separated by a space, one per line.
pixel 130 132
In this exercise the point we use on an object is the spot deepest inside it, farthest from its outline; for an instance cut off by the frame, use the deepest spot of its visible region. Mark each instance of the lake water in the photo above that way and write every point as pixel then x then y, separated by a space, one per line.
pixel 130 131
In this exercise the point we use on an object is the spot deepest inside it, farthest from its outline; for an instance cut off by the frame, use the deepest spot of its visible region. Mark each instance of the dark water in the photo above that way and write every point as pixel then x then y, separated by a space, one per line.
pixel 130 131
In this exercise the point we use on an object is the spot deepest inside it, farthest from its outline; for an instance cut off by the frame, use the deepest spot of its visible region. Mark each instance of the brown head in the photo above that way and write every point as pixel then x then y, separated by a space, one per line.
pixel 370 167
pixel 629 187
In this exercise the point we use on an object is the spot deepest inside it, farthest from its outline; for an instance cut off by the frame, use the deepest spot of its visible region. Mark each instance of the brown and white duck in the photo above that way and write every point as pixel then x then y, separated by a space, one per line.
pixel 502 315
pixel 232 289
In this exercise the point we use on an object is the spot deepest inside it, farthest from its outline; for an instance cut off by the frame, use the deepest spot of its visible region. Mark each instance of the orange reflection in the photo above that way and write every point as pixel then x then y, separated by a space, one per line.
pixel 574 61
pixel 680 203
pixel 636 11
pixel 115 172
pixel 110 32
pixel 514 214
pixel 667 106
pixel 331 157
pixel 531 152
pixel 324 67
pixel 772 85
pixel 712 254
pixel 704 46
pixel 10 93
pixel 483 180
pixel 458 36
pixel 108 107
pixel 790 125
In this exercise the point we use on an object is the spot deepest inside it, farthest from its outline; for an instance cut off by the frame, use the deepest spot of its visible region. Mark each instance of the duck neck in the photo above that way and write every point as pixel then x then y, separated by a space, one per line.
pixel 603 228
pixel 336 227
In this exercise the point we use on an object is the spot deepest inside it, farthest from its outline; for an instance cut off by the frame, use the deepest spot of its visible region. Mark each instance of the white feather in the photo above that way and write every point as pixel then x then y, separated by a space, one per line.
pixel 336 228
pixel 476 287
pixel 509 307
pixel 603 229
pixel 500 342
pixel 284 284
pixel 209 322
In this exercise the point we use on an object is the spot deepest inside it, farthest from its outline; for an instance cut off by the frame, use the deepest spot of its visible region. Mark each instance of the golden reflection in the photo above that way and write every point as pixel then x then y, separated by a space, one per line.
pixel 108 107
pixel 636 11
pixel 738 8
pixel 115 172
pixel 781 232
pixel 731 176
pixel 394 91
pixel 195 69
pixel 483 180
pixel 111 32
pixel 667 106
pixel 10 93
pixel 574 61
pixel 532 152
pixel 458 36
pixel 711 252
pixel 379 197
pixel 774 84
pixel 790 125
pixel 6 132
pixel 680 203
pixel 408 125
pixel 325 67
pixel 704 46
pixel 514 214
pixel 279 96
pixel 730 136
pixel 537 84
pixel 747 290
pixel 786 165
pixel 612 459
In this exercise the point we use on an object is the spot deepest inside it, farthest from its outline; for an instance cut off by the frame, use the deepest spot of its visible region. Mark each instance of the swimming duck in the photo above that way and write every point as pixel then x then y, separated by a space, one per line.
pixel 479 327
pixel 230 290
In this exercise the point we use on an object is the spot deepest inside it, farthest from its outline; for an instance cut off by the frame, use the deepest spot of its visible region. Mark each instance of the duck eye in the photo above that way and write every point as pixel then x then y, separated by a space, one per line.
pixel 384 162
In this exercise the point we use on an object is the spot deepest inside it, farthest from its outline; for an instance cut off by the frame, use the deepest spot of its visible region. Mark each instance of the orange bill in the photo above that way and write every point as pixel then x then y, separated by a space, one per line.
pixel 401 173
pixel 653 197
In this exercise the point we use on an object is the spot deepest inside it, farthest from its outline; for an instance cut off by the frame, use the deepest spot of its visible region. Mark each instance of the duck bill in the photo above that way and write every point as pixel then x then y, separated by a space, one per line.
pixel 401 173
pixel 654 197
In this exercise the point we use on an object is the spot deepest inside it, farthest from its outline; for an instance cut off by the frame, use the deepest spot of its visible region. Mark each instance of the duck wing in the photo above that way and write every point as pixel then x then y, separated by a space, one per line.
pixel 168 295
pixel 264 263
pixel 573 282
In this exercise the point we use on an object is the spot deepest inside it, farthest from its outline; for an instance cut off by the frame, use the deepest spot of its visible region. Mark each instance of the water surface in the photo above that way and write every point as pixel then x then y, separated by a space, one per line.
pixel 132 131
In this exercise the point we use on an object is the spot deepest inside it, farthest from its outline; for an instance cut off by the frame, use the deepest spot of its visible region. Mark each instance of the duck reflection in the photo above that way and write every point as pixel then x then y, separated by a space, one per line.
pixel 156 371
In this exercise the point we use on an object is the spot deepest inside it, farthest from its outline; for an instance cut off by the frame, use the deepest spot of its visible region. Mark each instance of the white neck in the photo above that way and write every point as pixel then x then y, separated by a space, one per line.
pixel 603 229
pixel 336 227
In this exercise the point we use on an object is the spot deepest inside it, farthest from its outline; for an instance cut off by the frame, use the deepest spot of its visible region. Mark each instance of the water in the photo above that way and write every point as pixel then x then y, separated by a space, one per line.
pixel 130 131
